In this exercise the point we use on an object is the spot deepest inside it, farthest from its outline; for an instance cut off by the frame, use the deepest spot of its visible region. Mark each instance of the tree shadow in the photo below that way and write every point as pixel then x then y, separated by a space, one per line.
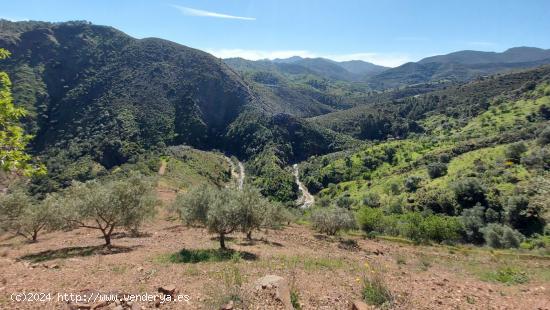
pixel 70 252
pixel 194 256
pixel 253 242
pixel 123 234
pixel 348 244
pixel 227 238
pixel 322 237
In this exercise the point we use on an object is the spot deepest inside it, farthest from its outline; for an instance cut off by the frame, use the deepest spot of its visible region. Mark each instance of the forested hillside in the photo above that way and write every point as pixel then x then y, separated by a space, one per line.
pixel 98 98
pixel 477 171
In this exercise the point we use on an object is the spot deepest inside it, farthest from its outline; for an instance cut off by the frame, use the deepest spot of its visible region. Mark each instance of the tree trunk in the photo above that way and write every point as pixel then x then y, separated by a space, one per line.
pixel 222 241
pixel 249 235
pixel 34 236
pixel 107 237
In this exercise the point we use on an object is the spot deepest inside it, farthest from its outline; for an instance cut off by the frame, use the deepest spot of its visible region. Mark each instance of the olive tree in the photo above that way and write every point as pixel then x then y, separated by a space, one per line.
pixel 26 216
pixel 224 211
pixel 105 206
pixel 257 212
pixel 218 210
pixel 332 220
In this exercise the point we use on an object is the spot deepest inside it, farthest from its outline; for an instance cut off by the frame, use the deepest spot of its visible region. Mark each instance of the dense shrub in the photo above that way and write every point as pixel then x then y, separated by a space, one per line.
pixel 515 150
pixel 372 200
pixel 441 228
pixel 501 236
pixel 440 200
pixel 344 201
pixel 473 220
pixel 544 136
pixel 469 192
pixel 437 169
pixel 332 220
pixel 371 219
pixel 412 183
pixel 411 225
pixel 524 217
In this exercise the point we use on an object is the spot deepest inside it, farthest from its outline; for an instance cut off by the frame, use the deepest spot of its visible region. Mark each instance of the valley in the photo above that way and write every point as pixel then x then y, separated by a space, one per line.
pixel 143 166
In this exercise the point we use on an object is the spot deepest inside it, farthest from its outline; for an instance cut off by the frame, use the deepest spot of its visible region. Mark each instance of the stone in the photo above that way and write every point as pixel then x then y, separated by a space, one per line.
pixel 359 305
pixel 228 306
pixel 282 290
pixel 169 290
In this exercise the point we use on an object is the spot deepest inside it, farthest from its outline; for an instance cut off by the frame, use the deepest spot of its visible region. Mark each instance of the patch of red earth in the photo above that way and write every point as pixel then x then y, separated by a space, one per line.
pixel 324 275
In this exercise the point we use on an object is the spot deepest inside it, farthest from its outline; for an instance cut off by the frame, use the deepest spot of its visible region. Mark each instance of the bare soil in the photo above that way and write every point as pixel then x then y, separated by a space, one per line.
pixel 325 272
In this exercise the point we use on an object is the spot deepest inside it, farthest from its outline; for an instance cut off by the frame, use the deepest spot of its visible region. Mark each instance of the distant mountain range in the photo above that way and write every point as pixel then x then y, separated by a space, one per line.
pixel 460 66
pixel 355 70
pixel 457 66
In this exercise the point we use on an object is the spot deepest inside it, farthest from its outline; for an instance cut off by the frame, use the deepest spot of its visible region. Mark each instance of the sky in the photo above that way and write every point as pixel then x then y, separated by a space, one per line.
pixel 384 32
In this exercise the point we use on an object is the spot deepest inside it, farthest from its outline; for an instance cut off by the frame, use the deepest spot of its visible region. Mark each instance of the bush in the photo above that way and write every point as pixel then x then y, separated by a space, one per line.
pixel 473 220
pixel 514 151
pixel 439 200
pixel 501 236
pixel 332 220
pixel 437 169
pixel 375 291
pixel 508 275
pixel 469 192
pixel 411 225
pixel 371 200
pixel 344 202
pixel 412 183
pixel 441 228
pixel 370 219
pixel 544 136
pixel 524 217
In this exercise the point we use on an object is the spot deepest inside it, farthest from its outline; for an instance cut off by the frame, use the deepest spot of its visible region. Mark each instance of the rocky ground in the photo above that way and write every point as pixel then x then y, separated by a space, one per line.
pixel 324 273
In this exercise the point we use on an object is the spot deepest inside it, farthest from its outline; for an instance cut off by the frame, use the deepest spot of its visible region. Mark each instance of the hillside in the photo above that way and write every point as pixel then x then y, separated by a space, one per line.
pixel 100 98
pixel 465 171
pixel 397 113
pixel 460 66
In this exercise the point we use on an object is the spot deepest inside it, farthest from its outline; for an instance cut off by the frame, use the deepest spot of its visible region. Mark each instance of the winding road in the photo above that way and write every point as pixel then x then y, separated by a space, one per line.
pixel 306 200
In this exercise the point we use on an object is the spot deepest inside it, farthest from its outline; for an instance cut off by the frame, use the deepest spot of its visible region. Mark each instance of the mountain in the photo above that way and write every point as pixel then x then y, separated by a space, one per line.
pixel 460 66
pixel 98 97
pixel 512 55
pixel 354 70
pixel 362 68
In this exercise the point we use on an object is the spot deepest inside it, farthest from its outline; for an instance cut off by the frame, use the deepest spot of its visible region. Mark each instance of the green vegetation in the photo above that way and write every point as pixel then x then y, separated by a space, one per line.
pixel 224 211
pixel 13 139
pixel 468 182
pixel 332 220
pixel 106 206
pixel 507 275
pixel 206 255
pixel 24 216
pixel 375 291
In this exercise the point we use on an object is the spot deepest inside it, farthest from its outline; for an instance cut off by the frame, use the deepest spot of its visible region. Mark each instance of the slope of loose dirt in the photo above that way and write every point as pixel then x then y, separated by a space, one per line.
pixel 321 271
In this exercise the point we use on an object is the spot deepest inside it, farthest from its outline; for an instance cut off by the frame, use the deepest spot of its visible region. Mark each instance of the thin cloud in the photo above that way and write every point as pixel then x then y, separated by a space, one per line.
pixel 388 60
pixel 202 13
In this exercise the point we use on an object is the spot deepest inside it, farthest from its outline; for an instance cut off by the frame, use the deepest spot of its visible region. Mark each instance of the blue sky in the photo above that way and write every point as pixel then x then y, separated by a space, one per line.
pixel 386 32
